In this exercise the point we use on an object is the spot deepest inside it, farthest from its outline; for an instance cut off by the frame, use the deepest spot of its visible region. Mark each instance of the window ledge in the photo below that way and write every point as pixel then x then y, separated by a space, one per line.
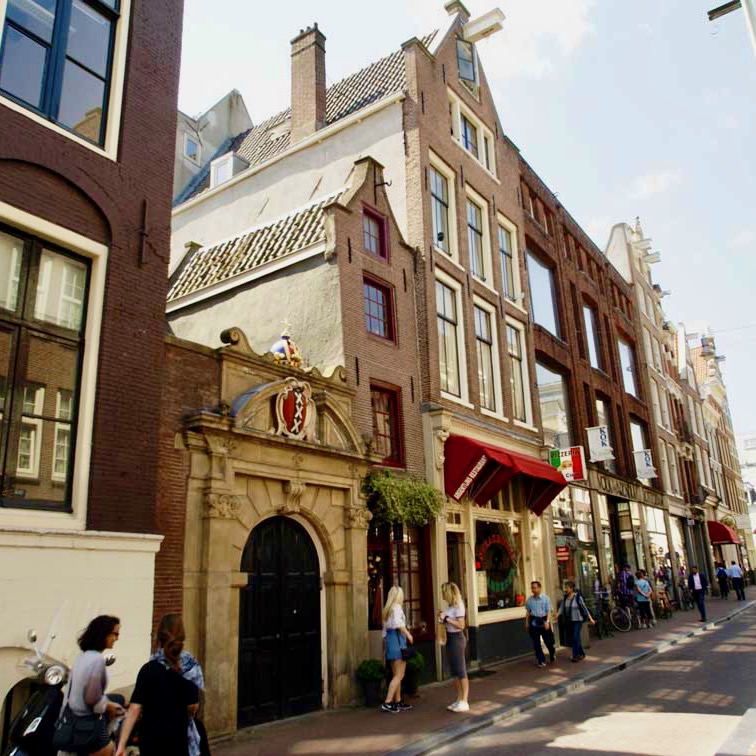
pixel 494 415
pixel 446 257
pixel 526 426
pixel 500 615
pixel 515 303
pixel 477 162
pixel 60 130
pixel 485 285
pixel 457 400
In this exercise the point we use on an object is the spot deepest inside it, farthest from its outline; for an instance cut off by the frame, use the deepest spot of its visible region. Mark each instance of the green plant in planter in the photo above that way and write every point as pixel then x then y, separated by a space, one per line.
pixel 392 499
pixel 371 674
pixel 415 668
pixel 371 669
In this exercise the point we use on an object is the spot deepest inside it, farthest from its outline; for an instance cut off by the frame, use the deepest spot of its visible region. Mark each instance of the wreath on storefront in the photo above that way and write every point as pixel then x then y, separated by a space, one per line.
pixel 409 501
pixel 501 585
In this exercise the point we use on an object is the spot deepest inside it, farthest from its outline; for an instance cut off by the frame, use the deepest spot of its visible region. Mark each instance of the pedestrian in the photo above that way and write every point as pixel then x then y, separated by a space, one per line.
pixel 722 578
pixel 85 697
pixel 538 623
pixel 697 585
pixel 736 575
pixel 189 668
pixel 163 701
pixel 453 619
pixel 397 637
pixel 574 612
pixel 643 594
pixel 624 586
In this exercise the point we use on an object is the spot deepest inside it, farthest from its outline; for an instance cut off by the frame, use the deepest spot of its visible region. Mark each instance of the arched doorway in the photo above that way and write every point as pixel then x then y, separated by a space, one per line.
pixel 280 673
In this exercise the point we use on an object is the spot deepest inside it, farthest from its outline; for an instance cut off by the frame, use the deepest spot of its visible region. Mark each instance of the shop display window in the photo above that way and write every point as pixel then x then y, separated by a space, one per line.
pixel 499 578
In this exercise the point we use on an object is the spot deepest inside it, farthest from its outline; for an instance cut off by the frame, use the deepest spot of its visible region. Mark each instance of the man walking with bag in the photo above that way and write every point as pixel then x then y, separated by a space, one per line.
pixel 538 624
pixel 736 575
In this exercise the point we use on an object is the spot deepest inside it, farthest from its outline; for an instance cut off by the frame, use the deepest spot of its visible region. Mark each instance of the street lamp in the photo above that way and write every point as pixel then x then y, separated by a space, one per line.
pixel 748 10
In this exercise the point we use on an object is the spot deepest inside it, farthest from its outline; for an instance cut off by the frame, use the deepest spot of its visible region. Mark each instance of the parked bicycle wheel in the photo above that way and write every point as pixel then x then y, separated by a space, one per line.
pixel 620 619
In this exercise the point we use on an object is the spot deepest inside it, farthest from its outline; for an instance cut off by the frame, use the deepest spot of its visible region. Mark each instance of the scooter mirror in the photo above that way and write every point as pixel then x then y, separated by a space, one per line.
pixel 32 636
pixel 110 659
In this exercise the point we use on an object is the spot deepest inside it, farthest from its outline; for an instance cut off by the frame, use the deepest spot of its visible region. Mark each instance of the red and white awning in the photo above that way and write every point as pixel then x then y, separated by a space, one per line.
pixel 721 533
pixel 479 471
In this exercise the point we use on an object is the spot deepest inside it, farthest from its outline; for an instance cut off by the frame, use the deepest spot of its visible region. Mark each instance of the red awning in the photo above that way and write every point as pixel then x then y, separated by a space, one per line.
pixel 721 533
pixel 480 471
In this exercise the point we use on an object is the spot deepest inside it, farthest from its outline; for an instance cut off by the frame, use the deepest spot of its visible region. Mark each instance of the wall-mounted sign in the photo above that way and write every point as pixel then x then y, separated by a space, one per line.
pixel 644 464
pixel 598 444
pixel 563 553
pixel 570 462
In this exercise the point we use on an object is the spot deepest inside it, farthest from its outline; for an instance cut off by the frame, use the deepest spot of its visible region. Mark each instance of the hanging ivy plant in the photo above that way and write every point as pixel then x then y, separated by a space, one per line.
pixel 407 500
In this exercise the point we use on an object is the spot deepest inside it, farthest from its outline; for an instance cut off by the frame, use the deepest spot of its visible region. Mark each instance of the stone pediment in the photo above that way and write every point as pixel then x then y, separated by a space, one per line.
pixel 294 408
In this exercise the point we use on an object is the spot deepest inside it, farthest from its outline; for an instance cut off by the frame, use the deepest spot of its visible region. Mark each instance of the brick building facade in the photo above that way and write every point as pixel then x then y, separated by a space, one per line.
pixel 85 192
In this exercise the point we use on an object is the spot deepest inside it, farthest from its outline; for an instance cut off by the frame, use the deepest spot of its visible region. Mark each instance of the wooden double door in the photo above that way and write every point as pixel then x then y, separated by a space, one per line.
pixel 280 657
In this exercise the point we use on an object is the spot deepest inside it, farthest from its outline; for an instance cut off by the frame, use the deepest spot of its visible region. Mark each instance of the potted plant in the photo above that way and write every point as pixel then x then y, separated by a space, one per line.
pixel 393 499
pixel 370 673
pixel 415 667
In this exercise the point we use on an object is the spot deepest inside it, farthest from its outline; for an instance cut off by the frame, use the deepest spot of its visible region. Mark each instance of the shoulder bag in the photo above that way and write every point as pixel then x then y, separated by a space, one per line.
pixel 76 732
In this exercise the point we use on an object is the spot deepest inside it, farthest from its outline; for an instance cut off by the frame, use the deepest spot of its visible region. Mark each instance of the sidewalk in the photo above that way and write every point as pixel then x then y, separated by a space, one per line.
pixel 503 691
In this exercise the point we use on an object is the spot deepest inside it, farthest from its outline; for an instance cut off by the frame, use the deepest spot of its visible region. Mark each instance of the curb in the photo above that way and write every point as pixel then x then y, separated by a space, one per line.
pixel 448 735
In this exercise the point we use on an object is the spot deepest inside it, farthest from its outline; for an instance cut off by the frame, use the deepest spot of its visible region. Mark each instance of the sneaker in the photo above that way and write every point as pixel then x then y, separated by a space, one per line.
pixel 462 706
pixel 453 706
pixel 575 659
pixel 552 659
pixel 403 706
pixel 390 708
pixel 541 665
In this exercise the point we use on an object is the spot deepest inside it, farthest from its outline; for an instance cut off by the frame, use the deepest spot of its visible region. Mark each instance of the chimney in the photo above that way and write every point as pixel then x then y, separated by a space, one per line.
pixel 308 83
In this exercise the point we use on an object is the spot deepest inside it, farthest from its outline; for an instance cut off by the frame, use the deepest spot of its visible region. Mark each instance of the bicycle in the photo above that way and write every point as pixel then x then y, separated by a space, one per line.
pixel 625 618
pixel 686 598
pixel 603 615
pixel 663 606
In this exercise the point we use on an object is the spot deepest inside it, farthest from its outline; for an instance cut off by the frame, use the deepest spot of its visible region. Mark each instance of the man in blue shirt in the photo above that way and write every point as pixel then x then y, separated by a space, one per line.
pixel 736 575
pixel 643 593
pixel 538 624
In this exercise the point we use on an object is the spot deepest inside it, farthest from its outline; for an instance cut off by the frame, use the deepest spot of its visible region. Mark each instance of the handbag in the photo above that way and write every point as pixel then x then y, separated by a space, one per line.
pixel 407 653
pixel 75 732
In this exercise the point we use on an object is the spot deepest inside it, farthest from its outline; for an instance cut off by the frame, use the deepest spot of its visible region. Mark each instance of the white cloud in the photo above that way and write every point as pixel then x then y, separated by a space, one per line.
pixel 535 38
pixel 653 183
pixel 744 238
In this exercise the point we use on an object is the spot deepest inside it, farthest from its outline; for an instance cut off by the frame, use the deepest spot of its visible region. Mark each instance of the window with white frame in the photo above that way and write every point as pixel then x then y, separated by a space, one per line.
pixel 518 372
pixel 657 355
pixel 439 188
pixel 192 149
pixel 221 170
pixel 62 443
pixel 699 463
pixel 472 134
pixel 627 363
pixel 674 475
pixel 45 335
pixel 449 338
pixel 467 66
pixel 11 250
pixel 656 402
pixel 592 337
pixel 664 397
pixel 487 351
pixel 508 265
pixel 542 295
pixel 442 185
pixel 478 236
pixel 664 466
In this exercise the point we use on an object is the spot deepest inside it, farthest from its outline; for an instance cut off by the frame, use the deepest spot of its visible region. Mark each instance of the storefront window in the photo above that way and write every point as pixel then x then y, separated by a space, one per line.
pixel 606 540
pixel 658 544
pixel 499 578
pixel 678 539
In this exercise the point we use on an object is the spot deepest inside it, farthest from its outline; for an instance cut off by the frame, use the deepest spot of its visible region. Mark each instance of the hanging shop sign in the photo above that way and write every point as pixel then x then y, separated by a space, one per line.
pixel 563 553
pixel 599 448
pixel 570 462
pixel 644 464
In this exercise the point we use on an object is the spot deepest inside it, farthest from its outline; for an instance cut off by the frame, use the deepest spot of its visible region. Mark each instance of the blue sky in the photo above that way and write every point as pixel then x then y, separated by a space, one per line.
pixel 624 108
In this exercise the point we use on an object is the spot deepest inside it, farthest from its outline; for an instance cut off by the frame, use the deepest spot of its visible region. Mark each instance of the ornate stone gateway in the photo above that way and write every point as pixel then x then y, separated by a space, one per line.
pixel 279 631
pixel 275 545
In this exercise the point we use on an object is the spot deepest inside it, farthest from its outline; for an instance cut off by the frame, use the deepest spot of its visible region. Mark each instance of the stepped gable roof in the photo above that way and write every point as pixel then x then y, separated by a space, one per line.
pixel 272 240
pixel 272 137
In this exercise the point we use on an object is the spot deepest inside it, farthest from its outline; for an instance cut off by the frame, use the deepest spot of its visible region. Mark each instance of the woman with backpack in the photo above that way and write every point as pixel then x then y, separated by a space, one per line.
pixel 453 620
pixel 397 636
pixel 574 612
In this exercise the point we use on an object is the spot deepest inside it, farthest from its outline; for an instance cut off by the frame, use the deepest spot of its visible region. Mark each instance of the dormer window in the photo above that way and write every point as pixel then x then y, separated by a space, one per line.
pixel 468 73
pixel 221 170
pixel 192 149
